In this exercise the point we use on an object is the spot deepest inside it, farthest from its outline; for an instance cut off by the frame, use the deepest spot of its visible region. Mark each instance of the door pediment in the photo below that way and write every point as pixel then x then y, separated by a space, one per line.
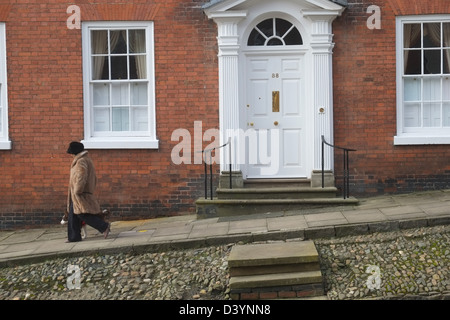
pixel 216 6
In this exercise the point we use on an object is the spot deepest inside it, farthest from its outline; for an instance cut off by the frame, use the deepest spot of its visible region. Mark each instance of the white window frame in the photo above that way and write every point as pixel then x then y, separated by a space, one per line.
pixel 133 140
pixel 5 143
pixel 424 135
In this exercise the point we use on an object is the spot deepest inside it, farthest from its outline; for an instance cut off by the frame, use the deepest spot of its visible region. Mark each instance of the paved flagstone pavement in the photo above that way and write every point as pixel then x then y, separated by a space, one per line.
pixel 382 213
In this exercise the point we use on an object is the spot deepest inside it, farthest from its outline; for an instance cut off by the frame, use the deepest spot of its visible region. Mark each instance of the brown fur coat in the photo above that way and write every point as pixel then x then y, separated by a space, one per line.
pixel 82 185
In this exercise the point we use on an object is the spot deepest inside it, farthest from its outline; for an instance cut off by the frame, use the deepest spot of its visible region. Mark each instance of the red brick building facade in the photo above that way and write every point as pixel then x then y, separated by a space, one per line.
pixel 366 105
pixel 132 73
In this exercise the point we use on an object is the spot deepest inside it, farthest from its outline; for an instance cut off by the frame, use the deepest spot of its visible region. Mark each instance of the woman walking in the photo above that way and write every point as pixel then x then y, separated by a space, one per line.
pixel 82 205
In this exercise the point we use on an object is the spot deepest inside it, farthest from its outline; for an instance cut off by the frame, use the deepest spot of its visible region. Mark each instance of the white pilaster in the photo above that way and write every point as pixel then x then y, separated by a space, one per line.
pixel 322 49
pixel 228 41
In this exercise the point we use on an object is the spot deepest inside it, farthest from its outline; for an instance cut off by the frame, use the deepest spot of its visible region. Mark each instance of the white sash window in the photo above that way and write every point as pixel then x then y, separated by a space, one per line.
pixel 423 80
pixel 119 85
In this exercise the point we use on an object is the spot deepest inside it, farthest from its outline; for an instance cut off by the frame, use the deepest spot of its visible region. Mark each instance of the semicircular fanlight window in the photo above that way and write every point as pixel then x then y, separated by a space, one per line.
pixel 275 32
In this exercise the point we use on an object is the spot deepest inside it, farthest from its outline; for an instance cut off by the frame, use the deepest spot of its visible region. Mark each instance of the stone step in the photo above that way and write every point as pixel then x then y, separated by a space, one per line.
pixel 282 268
pixel 277 183
pixel 275 271
pixel 275 280
pixel 290 192
pixel 251 255
pixel 256 196
pixel 207 208
pixel 273 258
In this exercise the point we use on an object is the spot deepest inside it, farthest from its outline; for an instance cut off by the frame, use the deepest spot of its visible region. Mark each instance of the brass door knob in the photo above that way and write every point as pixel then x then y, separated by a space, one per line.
pixel 275 123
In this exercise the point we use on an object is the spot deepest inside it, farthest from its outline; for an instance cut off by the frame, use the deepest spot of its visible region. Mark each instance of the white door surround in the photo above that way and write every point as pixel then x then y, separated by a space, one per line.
pixel 313 18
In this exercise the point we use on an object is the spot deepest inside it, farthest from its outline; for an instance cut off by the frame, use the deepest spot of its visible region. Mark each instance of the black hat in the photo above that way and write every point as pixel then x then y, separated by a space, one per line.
pixel 75 147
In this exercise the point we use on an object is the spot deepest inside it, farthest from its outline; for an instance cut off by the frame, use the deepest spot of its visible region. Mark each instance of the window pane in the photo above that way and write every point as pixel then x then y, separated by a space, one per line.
pixel 101 119
pixel 446 115
pixel 100 68
pixel 140 119
pixel 412 89
pixel 431 114
pixel 119 68
pixel 446 32
pixel 431 35
pixel 120 94
pixel 137 41
pixel 412 35
pixel 101 94
pixel 139 95
pixel 99 42
pixel 293 38
pixel 446 89
pixel 282 26
pixel 447 61
pixel 256 38
pixel 432 89
pixel 118 41
pixel 432 61
pixel 120 119
pixel 266 27
pixel 275 42
pixel 413 62
pixel 138 67
pixel 412 115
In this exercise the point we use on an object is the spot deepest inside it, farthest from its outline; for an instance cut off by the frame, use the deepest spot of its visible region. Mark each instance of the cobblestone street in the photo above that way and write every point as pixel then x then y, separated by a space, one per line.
pixel 410 264
pixel 413 264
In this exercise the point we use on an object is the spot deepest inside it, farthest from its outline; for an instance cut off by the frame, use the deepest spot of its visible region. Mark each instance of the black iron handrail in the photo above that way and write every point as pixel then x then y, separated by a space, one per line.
pixel 205 153
pixel 346 173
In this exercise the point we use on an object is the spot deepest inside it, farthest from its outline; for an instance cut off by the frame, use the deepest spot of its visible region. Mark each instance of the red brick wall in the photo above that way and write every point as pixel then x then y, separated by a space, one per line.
pixel 365 103
pixel 46 109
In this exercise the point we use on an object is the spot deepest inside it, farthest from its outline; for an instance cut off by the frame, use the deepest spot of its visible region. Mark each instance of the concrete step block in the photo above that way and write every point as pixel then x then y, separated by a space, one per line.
pixel 277 193
pixel 270 269
pixel 275 280
pixel 273 254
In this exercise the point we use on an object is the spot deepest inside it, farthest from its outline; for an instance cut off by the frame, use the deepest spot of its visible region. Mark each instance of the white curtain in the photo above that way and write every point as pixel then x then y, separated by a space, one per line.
pixel 434 31
pixel 411 35
pixel 114 38
pixel 99 46
pixel 137 45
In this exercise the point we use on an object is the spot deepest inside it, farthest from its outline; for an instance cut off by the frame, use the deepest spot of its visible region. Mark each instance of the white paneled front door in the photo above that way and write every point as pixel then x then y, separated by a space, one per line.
pixel 275 117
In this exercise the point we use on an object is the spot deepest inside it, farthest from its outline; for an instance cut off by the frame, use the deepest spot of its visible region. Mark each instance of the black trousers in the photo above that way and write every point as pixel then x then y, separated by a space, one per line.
pixel 75 220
